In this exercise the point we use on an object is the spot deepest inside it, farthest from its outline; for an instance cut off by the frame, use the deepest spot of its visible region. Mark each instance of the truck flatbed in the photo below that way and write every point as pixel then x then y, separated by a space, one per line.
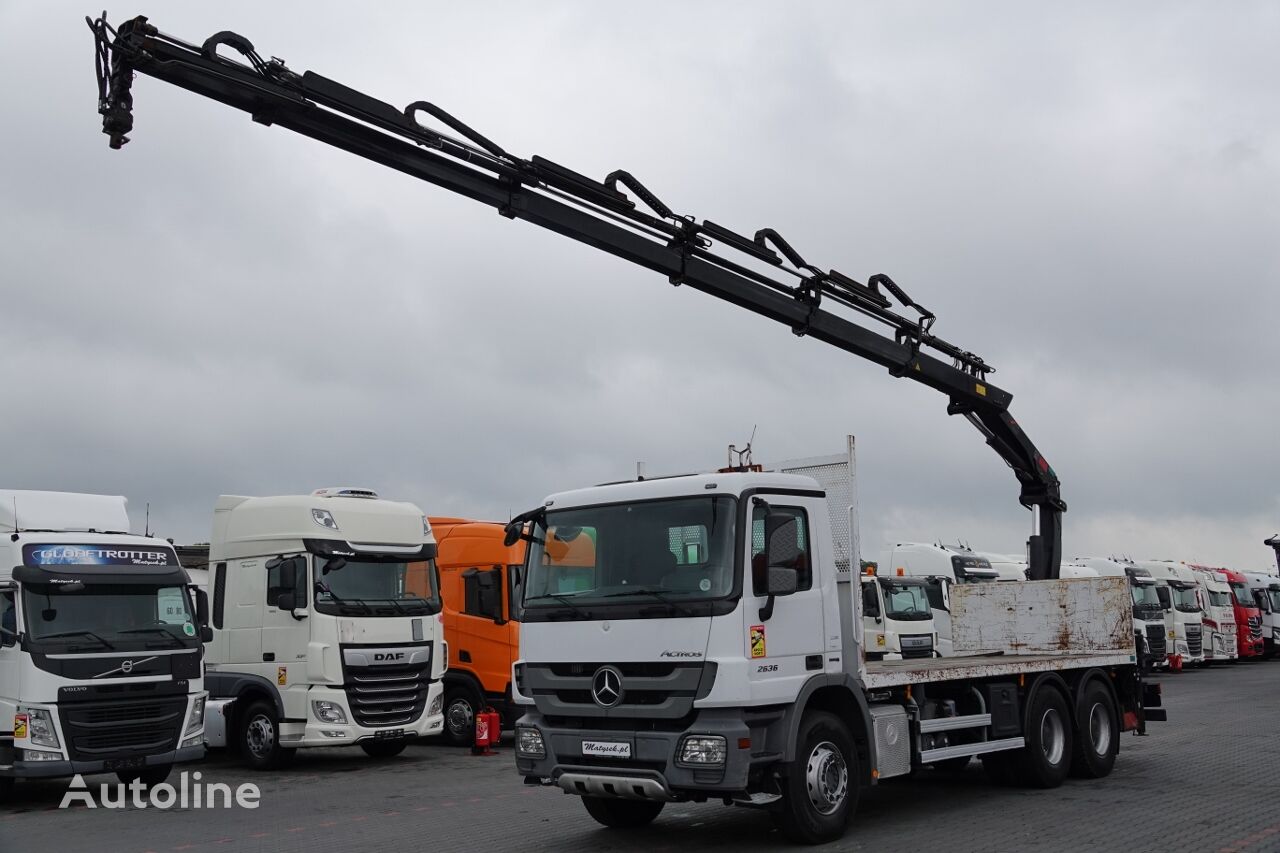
pixel 896 673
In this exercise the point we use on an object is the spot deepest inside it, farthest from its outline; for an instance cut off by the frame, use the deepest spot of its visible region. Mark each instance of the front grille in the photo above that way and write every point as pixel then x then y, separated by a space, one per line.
pixel 1155 641
pixel 1255 627
pixel 648 689
pixel 100 730
pixel 916 646
pixel 390 695
pixel 1195 642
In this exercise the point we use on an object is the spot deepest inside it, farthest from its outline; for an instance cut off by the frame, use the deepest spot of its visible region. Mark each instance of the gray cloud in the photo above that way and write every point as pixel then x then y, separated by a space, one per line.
pixel 1085 195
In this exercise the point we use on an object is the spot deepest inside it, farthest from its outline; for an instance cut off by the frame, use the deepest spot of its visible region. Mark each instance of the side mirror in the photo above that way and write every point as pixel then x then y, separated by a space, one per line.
pixel 781 581
pixel 285 601
pixel 511 533
pixel 206 634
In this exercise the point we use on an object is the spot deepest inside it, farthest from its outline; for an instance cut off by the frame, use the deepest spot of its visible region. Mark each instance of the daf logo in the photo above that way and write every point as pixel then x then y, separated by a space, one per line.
pixel 386 657
pixel 606 687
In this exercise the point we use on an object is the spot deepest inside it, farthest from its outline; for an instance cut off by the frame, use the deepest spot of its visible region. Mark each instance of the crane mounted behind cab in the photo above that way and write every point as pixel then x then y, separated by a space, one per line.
pixel 763 273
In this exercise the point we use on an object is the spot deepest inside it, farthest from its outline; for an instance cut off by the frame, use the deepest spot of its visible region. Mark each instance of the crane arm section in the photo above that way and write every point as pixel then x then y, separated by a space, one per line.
pixel 762 273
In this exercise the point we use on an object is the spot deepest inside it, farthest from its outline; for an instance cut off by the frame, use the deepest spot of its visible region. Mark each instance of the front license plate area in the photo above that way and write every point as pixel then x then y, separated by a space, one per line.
pixel 131 763
pixel 606 748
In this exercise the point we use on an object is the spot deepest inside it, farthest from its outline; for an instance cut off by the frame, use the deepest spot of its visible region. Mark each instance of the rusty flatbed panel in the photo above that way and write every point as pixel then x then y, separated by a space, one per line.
pixel 894 673
pixel 1042 617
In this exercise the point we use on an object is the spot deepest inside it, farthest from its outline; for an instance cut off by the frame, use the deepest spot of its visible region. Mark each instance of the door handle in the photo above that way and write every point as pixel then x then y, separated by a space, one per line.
pixel 268 656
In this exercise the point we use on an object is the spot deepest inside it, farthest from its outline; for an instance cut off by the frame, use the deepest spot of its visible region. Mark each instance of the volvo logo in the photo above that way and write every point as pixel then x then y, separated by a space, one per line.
pixel 606 687
pixel 126 667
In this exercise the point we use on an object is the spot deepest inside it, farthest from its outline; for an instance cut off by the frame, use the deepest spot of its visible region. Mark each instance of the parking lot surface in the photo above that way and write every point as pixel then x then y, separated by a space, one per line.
pixel 1204 781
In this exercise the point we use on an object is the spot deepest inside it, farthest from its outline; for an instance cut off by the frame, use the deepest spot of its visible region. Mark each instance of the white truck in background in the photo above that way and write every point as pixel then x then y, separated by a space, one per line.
pixel 898 620
pixel 1148 612
pixel 735 672
pixel 1217 615
pixel 326 625
pixel 941 567
pixel 1184 620
pixel 100 644
pixel 1008 567
pixel 1265 589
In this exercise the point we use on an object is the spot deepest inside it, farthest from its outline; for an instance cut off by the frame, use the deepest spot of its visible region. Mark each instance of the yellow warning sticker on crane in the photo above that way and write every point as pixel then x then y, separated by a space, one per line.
pixel 282 675
pixel 757 641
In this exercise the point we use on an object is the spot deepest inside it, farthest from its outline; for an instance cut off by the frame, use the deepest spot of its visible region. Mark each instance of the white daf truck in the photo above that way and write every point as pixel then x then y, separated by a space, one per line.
pixel 100 655
pixel 1265 589
pixel 1183 619
pixel 1218 616
pixel 326 625
pixel 898 621
pixel 734 672
pixel 941 567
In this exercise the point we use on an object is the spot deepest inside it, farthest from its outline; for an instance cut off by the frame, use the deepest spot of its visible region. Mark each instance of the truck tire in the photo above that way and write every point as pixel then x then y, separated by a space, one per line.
pixel 461 703
pixel 149 775
pixel 258 737
pixel 1046 758
pixel 1097 733
pixel 820 793
pixel 384 748
pixel 622 814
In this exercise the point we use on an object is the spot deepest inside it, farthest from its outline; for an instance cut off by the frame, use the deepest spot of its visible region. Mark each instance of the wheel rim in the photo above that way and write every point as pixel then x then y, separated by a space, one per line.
pixel 260 736
pixel 460 716
pixel 826 778
pixel 1100 728
pixel 1053 739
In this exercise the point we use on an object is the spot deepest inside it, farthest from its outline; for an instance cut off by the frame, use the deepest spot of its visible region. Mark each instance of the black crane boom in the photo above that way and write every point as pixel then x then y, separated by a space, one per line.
pixel 762 273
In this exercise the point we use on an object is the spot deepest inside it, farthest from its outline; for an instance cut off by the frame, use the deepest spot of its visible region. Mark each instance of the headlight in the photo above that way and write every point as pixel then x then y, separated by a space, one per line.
pixel 529 742
pixel 437 704
pixel 195 722
pixel 328 712
pixel 39 727
pixel 703 750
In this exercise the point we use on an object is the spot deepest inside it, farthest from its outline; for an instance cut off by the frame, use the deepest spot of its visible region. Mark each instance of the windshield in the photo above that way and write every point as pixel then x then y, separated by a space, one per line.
pixel 1241 593
pixel 1273 594
pixel 1145 595
pixel 664 552
pixel 1184 597
pixel 1218 598
pixel 92 616
pixel 906 601
pixel 375 586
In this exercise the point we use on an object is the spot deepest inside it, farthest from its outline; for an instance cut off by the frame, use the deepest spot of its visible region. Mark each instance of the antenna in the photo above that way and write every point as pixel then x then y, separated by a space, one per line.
pixel 639 472
pixel 744 455
pixel 146 527
pixel 17 528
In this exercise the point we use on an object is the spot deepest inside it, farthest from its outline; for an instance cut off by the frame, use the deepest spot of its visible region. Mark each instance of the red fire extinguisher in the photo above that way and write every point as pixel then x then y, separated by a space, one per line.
pixel 488 732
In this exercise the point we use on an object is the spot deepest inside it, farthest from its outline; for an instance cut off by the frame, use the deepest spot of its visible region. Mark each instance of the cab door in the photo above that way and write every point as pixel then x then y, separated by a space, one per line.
pixel 939 592
pixel 786 649
pixel 285 632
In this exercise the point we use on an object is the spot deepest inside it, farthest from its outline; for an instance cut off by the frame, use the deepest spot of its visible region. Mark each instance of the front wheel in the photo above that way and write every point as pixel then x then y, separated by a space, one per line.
pixel 1046 758
pixel 383 748
pixel 259 738
pixel 622 814
pixel 149 776
pixel 460 707
pixel 820 792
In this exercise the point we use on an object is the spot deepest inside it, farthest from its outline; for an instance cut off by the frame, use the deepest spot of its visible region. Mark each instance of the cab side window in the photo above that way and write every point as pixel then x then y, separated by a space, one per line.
pixel 802 563
pixel 8 620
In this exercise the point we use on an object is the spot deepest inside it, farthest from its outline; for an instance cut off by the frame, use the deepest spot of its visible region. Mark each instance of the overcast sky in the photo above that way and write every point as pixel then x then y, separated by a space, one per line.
pixel 1085 195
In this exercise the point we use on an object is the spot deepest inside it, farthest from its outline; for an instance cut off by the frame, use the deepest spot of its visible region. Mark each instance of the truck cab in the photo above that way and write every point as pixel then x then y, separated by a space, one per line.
pixel 1248 618
pixel 480 590
pixel 1218 615
pixel 326 625
pixel 1184 626
pixel 897 618
pixel 100 644
pixel 1265 589
pixel 941 567
pixel 1148 611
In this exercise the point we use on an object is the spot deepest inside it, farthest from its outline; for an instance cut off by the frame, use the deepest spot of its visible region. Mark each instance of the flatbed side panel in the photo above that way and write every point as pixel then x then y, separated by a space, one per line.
pixel 1035 617
pixel 881 674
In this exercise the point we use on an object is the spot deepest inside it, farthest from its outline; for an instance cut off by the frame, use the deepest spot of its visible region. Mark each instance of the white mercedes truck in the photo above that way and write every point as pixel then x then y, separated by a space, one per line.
pixel 100 644
pixel 326 625
pixel 714 652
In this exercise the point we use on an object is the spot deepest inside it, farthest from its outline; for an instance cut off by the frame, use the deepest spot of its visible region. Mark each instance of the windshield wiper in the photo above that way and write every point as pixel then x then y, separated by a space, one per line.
pixel 658 594
pixel 155 630
pixel 342 602
pixel 566 600
pixel 89 634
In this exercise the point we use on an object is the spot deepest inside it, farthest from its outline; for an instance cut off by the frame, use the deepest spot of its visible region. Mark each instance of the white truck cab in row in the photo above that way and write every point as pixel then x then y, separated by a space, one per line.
pixel 941 567
pixel 1218 616
pixel 1183 620
pixel 1265 589
pixel 100 654
pixel 326 625
pixel 1148 612
pixel 898 619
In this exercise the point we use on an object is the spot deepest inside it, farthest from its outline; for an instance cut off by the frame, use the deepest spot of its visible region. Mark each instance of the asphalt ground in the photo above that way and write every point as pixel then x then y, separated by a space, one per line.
pixel 1203 781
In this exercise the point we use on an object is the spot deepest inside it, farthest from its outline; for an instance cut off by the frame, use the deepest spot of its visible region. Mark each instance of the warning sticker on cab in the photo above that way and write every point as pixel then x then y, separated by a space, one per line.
pixel 19 725
pixel 282 675
pixel 757 641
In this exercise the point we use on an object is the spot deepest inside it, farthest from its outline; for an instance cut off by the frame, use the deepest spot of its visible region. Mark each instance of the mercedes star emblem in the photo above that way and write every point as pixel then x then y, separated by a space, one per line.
pixel 606 687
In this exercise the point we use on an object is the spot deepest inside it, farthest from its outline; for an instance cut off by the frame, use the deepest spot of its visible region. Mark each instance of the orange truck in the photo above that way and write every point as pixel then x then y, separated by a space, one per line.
pixel 480 587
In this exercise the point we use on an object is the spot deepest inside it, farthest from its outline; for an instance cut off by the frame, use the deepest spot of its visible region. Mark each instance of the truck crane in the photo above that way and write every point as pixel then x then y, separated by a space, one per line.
pixel 620 215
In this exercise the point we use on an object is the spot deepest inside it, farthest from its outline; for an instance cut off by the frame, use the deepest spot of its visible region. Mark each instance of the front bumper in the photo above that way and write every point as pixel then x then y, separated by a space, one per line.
pixel 55 769
pixel 651 772
pixel 316 732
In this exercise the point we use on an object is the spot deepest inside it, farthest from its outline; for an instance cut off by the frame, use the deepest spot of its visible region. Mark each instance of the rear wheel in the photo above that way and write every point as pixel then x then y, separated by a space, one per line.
pixel 148 775
pixel 622 814
pixel 820 793
pixel 1046 758
pixel 1097 738
pixel 461 704
pixel 383 748
pixel 259 738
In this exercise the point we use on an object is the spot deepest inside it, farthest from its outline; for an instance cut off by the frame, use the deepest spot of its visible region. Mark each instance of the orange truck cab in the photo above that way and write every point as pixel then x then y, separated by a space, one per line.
pixel 479 584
